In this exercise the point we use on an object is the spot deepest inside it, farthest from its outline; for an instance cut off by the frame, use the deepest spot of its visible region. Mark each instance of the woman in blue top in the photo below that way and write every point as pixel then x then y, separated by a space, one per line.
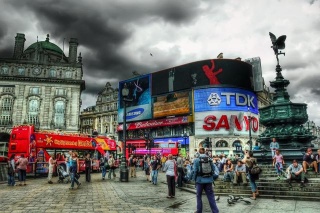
pixel 74 168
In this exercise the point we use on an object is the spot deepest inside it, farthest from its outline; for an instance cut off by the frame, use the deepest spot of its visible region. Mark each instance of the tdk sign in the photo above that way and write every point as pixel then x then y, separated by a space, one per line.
pixel 228 99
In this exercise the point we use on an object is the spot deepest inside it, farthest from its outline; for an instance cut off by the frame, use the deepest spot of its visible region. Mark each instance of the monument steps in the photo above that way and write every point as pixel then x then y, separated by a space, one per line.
pixel 269 187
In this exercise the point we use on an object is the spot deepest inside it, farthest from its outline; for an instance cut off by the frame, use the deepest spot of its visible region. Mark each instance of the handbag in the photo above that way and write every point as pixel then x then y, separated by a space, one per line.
pixel 255 169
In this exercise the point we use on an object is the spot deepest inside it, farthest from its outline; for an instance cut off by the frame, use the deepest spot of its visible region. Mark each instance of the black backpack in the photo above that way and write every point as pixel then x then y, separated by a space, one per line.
pixel 205 164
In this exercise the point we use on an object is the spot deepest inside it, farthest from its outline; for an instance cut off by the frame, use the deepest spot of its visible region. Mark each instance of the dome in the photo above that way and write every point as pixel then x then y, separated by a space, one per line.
pixel 46 45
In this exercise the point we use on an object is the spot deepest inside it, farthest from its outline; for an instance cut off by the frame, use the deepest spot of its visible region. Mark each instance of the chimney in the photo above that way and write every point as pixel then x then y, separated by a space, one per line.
pixel 73 47
pixel 19 45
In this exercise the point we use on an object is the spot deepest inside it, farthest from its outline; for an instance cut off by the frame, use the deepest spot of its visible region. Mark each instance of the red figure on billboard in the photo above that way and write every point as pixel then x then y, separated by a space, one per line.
pixel 211 75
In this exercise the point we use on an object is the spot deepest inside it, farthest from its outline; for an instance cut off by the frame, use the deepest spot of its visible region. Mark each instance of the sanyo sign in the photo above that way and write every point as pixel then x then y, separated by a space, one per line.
pixel 226 99
pixel 226 123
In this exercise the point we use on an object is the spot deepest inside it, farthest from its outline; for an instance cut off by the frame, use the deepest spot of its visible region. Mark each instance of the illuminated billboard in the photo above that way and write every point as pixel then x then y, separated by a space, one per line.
pixel 225 99
pixel 207 72
pixel 170 140
pixel 222 123
pixel 177 103
pixel 138 100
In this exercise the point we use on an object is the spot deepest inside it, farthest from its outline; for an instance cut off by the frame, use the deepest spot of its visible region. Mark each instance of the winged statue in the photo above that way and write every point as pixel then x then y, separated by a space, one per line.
pixel 278 44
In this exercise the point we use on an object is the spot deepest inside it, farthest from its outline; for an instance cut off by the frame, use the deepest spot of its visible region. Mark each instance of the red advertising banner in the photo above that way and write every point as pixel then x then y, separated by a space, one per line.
pixel 155 123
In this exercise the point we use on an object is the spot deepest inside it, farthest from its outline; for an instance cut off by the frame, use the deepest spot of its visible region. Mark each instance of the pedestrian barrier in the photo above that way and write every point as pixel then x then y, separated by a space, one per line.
pixel 3 172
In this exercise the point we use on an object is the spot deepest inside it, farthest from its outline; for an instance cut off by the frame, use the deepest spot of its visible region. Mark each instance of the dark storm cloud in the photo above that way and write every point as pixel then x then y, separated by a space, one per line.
pixel 102 27
pixel 316 91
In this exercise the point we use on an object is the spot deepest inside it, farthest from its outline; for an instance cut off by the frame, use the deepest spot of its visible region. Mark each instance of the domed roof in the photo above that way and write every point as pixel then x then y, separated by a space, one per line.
pixel 45 45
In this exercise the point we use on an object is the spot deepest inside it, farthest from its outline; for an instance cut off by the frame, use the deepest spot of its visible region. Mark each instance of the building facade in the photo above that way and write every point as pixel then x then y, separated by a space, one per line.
pixel 163 105
pixel 40 85
pixel 103 117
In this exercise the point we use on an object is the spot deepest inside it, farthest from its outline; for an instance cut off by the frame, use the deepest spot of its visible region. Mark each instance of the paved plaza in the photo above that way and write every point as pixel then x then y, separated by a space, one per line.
pixel 113 196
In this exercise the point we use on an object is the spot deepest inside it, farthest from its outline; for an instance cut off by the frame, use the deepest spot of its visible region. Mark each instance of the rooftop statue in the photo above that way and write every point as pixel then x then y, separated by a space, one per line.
pixel 278 44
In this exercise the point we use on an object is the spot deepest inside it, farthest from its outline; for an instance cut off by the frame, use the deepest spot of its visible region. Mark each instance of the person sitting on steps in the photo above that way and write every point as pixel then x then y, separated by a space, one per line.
pixel 228 171
pixel 295 172
pixel 309 161
pixel 240 174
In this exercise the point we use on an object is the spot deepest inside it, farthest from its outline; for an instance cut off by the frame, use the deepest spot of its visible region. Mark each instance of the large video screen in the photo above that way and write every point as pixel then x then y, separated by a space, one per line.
pixel 201 73
pixel 138 100
pixel 177 103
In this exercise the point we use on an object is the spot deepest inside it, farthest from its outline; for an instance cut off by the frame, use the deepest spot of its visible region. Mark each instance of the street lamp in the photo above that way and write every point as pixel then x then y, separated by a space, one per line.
pixel 124 173
pixel 249 119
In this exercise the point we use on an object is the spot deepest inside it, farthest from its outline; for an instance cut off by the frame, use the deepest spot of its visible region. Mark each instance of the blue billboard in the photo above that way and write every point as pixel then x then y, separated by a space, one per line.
pixel 181 140
pixel 138 101
pixel 225 99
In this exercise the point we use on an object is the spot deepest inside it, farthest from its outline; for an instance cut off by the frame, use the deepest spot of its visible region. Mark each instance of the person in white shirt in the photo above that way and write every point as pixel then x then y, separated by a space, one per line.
pixel 52 162
pixel 274 145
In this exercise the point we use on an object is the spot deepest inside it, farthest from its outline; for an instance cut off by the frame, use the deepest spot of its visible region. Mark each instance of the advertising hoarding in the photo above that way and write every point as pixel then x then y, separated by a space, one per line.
pixel 155 123
pixel 223 123
pixel 177 103
pixel 217 99
pixel 139 99
pixel 181 140
pixel 207 72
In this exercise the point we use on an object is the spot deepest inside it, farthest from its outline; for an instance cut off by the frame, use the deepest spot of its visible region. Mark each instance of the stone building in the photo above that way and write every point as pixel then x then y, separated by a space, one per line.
pixel 40 85
pixel 103 117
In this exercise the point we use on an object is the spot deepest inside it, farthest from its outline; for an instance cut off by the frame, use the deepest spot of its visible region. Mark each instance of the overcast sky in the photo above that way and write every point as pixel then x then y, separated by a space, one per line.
pixel 117 37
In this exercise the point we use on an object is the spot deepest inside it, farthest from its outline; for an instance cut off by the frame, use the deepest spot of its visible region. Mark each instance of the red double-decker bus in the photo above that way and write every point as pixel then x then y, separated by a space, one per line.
pixel 37 146
pixel 140 148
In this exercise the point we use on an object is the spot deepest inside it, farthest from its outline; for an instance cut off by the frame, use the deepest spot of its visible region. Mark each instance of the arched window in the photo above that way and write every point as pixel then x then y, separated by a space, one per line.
pixel 6 110
pixel 222 143
pixel 53 73
pixel 236 143
pixel 59 116
pixel 33 111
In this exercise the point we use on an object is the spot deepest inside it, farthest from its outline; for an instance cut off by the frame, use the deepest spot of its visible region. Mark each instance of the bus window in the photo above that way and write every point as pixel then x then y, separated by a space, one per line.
pixel 156 145
pixel 172 145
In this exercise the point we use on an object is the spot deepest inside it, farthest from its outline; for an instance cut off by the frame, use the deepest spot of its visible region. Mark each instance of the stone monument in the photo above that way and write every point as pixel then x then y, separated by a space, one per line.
pixel 283 119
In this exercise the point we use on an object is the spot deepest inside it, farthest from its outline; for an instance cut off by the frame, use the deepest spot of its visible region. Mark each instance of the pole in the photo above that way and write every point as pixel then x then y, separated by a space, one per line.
pixel 250 138
pixel 149 148
pixel 124 174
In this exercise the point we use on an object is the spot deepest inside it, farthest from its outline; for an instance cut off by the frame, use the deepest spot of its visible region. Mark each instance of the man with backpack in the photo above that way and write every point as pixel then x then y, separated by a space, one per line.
pixel 203 177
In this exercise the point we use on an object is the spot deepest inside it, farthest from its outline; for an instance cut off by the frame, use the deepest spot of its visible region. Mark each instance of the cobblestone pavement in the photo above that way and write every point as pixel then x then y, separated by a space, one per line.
pixel 113 196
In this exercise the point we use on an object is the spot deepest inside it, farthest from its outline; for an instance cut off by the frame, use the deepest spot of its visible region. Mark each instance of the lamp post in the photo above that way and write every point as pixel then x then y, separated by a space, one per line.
pixel 124 173
pixel 249 119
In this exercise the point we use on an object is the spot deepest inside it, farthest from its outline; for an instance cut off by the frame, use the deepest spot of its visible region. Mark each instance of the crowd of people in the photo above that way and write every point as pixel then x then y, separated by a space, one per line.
pixel 202 169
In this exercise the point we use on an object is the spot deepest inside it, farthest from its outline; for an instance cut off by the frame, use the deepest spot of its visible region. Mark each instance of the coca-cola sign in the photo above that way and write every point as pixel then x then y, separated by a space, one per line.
pixel 155 123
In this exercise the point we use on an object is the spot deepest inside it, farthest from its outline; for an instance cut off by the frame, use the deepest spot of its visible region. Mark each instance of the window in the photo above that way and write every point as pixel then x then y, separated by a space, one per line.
pixel 53 73
pixel 60 91
pixel 34 90
pixel 4 70
pixel 33 113
pixel 21 71
pixel 59 116
pixel 8 89
pixel 68 74
pixel 6 110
